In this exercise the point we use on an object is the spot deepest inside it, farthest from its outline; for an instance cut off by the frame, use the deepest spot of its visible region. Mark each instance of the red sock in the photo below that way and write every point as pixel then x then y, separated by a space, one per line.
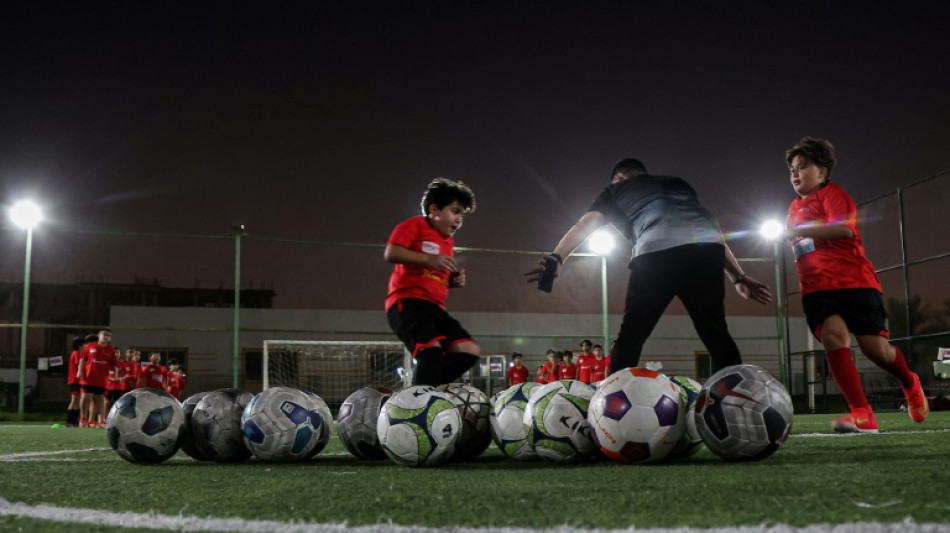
pixel 846 376
pixel 899 369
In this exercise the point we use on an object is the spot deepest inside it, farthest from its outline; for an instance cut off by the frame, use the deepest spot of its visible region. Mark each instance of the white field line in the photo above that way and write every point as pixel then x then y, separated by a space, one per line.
pixel 163 522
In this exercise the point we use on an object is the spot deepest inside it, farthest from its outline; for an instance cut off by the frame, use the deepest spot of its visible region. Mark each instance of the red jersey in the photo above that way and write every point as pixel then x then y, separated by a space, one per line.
pixel 153 376
pixel 517 374
pixel 830 264
pixel 111 383
pixel 598 369
pixel 98 361
pixel 73 368
pixel 128 373
pixel 175 384
pixel 567 371
pixel 548 373
pixel 583 368
pixel 415 281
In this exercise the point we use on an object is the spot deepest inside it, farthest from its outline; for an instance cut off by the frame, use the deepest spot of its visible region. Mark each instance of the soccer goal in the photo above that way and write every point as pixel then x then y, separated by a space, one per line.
pixel 334 369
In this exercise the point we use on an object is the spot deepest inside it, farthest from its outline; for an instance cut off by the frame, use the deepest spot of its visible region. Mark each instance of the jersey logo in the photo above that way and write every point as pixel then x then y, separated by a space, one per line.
pixel 429 247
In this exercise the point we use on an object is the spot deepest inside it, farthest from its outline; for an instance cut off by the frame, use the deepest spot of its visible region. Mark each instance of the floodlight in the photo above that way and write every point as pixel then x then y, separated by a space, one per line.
pixel 772 229
pixel 601 242
pixel 26 214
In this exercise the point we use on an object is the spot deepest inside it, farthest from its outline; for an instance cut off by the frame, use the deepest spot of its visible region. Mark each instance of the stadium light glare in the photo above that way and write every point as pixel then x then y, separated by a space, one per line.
pixel 601 242
pixel 26 214
pixel 772 229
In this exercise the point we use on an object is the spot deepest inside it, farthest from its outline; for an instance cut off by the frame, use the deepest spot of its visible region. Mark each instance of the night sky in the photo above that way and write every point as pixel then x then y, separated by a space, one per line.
pixel 325 120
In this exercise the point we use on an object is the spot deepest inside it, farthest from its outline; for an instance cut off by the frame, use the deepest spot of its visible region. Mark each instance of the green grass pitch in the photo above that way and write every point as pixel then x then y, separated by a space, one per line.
pixel 816 478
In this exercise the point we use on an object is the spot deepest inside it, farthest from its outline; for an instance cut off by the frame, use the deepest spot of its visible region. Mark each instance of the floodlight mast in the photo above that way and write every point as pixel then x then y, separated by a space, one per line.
pixel 25 214
pixel 773 230
pixel 601 242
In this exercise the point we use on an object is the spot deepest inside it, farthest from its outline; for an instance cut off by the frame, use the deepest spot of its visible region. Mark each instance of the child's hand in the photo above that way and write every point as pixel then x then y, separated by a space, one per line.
pixel 457 279
pixel 442 262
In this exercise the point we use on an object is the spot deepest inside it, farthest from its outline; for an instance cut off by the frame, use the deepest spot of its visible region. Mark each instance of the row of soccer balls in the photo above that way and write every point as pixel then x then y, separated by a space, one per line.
pixel 634 416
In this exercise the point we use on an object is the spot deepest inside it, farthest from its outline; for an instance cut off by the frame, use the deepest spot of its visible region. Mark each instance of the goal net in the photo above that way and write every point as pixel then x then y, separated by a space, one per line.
pixel 334 369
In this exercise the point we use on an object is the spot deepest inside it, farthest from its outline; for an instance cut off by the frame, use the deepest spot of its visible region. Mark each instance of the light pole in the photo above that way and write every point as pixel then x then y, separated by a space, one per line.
pixel 26 215
pixel 601 242
pixel 773 231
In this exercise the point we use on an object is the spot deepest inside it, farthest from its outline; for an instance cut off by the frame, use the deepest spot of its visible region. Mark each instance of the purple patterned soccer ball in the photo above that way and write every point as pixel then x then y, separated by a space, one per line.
pixel 637 416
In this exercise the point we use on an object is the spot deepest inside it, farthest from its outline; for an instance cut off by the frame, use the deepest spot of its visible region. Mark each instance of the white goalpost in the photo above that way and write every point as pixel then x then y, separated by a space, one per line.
pixel 335 369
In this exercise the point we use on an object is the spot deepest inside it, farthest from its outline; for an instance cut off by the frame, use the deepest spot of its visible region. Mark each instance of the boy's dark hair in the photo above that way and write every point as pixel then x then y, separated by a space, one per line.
pixel 78 342
pixel 628 165
pixel 597 346
pixel 516 354
pixel 172 362
pixel 92 337
pixel 443 191
pixel 818 151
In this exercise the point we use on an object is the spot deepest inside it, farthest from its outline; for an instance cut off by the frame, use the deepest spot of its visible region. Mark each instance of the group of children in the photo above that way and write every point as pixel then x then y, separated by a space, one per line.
pixel 591 366
pixel 97 378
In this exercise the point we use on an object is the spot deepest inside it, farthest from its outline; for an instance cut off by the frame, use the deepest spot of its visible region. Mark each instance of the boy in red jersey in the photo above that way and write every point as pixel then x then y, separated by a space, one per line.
pixel 517 372
pixel 153 375
pixel 72 380
pixel 423 251
pixel 583 361
pixel 174 379
pixel 841 293
pixel 128 369
pixel 550 371
pixel 598 364
pixel 567 369
pixel 95 361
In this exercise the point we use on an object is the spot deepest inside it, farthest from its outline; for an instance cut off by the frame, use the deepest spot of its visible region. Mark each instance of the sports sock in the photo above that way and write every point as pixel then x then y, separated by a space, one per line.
pixel 845 373
pixel 898 368
pixel 428 369
pixel 456 364
pixel 72 417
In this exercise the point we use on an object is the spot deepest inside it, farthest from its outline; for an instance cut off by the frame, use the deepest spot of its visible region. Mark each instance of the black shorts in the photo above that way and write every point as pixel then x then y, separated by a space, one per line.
pixel 862 310
pixel 90 389
pixel 420 325
pixel 74 388
pixel 114 395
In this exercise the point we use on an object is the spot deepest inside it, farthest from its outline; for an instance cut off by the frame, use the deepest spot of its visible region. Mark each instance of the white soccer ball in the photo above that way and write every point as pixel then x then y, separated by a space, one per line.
pixel 475 411
pixel 556 421
pixel 356 422
pixel 145 426
pixel 637 416
pixel 507 421
pixel 284 424
pixel 691 441
pixel 216 425
pixel 743 413
pixel 419 426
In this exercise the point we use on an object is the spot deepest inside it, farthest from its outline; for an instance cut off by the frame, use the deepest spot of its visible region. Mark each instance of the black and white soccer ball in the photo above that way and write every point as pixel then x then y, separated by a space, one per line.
pixel 188 438
pixel 216 425
pixel 284 424
pixel 356 422
pixel 145 426
pixel 419 426
pixel 475 410
pixel 743 413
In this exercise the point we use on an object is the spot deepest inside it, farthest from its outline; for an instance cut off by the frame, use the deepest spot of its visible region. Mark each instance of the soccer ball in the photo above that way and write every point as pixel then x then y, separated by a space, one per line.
pixel 283 424
pixel 188 444
pixel 419 426
pixel 507 421
pixel 743 413
pixel 475 411
pixel 637 416
pixel 216 425
pixel 356 422
pixel 145 426
pixel 691 441
pixel 556 421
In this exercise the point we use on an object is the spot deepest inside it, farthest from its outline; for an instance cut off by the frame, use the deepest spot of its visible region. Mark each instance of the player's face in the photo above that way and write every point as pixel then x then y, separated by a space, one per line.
pixel 806 177
pixel 447 220
pixel 104 337
pixel 598 352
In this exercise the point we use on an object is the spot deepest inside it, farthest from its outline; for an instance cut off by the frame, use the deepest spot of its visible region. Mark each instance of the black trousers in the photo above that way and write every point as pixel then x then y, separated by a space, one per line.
pixel 694 274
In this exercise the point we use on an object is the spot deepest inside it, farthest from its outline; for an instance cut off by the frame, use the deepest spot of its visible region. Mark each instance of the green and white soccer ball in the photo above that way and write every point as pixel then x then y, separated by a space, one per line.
pixel 419 426
pixel 507 421
pixel 283 424
pixel 556 421
pixel 691 441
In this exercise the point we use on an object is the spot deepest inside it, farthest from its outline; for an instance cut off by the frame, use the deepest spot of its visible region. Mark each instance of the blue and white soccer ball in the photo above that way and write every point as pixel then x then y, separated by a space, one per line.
pixel 637 416
pixel 691 441
pixel 743 413
pixel 556 421
pixel 216 425
pixel 283 424
pixel 507 421
pixel 419 426
pixel 145 426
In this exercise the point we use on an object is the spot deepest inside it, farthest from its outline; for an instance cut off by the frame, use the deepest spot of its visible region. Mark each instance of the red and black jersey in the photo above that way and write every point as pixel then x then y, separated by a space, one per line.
pixel 830 264
pixel 517 374
pixel 98 361
pixel 415 281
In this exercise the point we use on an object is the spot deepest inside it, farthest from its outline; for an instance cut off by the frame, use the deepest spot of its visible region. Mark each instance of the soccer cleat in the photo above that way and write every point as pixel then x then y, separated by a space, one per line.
pixel 859 420
pixel 82 422
pixel 916 401
pixel 102 423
